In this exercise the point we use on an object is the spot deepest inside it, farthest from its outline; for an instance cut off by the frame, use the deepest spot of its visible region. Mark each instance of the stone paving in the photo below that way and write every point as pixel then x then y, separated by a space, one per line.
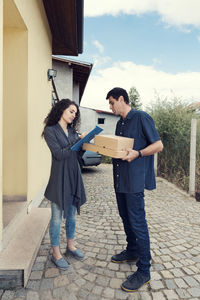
pixel 174 225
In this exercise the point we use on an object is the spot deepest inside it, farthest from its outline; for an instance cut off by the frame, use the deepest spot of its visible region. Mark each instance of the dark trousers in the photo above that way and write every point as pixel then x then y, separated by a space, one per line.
pixel 132 211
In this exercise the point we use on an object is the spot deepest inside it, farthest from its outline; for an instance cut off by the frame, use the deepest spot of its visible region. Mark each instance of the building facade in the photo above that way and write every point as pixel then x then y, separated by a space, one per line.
pixel 71 78
pixel 30 32
pixel 92 117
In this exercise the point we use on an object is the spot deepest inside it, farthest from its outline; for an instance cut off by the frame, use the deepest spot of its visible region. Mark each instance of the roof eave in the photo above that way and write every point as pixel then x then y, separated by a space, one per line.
pixel 66 24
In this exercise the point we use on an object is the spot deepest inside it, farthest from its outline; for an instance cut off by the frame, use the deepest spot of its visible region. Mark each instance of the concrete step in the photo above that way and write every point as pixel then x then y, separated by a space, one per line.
pixel 16 260
pixel 13 220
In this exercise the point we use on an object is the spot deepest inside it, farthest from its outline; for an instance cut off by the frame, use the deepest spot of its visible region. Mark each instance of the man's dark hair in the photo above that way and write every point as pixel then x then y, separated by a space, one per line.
pixel 117 92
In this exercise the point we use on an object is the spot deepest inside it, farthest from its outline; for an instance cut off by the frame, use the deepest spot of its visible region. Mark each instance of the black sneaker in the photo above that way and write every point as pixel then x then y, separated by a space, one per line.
pixel 123 257
pixel 135 281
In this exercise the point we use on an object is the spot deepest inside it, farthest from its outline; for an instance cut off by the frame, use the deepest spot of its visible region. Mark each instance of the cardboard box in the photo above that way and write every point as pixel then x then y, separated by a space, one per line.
pixel 110 145
pixel 114 142
pixel 104 151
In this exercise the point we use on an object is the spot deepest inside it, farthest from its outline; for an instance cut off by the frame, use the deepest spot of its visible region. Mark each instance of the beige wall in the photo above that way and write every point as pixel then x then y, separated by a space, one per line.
pixel 1 99
pixel 15 112
pixel 28 93
pixel 39 92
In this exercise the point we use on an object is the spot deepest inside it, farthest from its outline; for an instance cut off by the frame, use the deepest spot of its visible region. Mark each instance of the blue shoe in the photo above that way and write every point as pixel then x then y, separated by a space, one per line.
pixel 135 281
pixel 78 254
pixel 60 263
pixel 123 256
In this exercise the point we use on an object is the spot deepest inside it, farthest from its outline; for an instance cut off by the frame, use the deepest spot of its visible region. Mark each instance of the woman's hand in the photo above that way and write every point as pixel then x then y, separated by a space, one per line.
pixel 83 134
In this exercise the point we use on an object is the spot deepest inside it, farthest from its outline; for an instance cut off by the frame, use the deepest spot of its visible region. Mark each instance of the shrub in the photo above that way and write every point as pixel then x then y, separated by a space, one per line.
pixel 173 122
pixel 106 159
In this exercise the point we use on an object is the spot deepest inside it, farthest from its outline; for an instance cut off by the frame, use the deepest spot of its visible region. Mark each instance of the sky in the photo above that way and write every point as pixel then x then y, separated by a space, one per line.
pixel 152 45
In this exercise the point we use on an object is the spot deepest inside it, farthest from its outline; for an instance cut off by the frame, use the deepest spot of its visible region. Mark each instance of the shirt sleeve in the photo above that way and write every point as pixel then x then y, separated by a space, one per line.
pixel 57 151
pixel 149 129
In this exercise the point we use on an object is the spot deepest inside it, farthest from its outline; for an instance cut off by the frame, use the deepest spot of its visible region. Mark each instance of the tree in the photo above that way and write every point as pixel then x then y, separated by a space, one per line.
pixel 134 98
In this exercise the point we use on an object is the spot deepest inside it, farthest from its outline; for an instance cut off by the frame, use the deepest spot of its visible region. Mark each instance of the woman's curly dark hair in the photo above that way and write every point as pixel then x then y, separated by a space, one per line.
pixel 56 112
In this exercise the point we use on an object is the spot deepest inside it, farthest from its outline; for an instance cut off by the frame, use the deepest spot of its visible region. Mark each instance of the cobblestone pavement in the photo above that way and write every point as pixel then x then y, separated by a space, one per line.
pixel 174 224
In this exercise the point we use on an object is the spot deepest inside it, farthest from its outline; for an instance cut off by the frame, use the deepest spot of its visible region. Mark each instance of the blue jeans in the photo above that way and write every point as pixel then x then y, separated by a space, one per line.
pixel 132 211
pixel 55 222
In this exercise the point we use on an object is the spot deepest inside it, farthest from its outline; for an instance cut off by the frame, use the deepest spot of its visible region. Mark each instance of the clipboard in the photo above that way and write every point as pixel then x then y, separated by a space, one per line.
pixel 86 139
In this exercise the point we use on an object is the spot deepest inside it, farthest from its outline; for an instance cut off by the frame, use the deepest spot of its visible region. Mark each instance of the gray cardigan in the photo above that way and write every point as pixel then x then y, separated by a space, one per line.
pixel 65 184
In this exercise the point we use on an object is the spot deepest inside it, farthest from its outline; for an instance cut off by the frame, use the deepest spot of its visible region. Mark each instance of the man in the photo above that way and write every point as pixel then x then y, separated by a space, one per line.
pixel 132 175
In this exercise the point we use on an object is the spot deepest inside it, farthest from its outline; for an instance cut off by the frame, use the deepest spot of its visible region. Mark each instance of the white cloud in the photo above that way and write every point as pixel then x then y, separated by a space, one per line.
pixel 174 12
pixel 146 79
pixel 100 60
pixel 99 46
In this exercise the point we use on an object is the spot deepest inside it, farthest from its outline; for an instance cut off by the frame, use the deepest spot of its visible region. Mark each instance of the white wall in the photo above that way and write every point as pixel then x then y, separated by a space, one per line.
pixel 75 96
pixel 63 80
pixel 89 119
pixel 110 122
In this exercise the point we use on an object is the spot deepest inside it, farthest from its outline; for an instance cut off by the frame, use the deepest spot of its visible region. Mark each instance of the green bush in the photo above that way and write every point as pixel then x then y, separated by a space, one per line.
pixel 173 122
pixel 106 159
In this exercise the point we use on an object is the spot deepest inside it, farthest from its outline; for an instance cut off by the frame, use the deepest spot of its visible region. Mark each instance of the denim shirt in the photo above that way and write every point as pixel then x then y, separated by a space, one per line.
pixel 137 175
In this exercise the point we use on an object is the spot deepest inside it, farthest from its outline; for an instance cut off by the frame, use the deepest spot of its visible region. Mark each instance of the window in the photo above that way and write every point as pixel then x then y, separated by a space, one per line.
pixel 101 120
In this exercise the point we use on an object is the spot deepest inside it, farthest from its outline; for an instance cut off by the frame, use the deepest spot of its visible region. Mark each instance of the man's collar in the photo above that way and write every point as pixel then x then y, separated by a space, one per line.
pixel 129 115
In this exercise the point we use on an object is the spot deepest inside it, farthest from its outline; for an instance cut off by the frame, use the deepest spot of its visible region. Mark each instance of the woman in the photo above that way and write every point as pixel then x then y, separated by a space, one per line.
pixel 65 188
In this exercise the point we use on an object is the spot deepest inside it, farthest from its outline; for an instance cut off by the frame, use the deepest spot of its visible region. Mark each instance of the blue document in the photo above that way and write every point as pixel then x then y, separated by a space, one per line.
pixel 86 138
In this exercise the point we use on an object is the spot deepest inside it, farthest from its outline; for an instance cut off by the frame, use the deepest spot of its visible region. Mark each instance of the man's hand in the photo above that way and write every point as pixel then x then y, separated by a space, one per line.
pixel 149 150
pixel 131 155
